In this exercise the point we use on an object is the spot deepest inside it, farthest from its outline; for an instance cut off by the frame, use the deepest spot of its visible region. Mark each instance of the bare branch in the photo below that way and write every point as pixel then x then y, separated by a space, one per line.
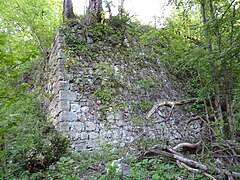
pixel 170 104
pixel 183 165
pixel 187 145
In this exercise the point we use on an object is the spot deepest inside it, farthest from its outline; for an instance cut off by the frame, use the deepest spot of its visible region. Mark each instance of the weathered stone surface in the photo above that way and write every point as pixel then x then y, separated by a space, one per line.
pixel 62 85
pixel 90 126
pixel 67 95
pixel 61 61
pixel 74 110
pixel 66 116
pixel 84 135
pixel 74 135
pixel 93 135
pixel 64 126
pixel 85 109
pixel 63 105
pixel 120 123
pixel 78 126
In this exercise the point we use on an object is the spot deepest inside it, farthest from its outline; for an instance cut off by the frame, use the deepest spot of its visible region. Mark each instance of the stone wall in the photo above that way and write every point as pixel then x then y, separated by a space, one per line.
pixel 74 110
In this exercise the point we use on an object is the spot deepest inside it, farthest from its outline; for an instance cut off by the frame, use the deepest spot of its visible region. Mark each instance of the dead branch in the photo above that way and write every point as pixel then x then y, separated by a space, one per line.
pixel 169 152
pixel 183 165
pixel 170 114
pixel 191 120
pixel 170 104
pixel 187 145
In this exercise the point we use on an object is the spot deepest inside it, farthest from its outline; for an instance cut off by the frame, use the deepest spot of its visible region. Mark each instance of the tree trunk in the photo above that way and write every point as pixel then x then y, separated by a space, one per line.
pixel 67 10
pixel 228 84
pixel 95 10
pixel 213 67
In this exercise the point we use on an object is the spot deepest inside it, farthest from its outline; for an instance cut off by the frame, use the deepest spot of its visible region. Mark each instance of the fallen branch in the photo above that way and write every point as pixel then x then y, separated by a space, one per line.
pixel 196 118
pixel 170 153
pixel 183 165
pixel 187 145
pixel 170 104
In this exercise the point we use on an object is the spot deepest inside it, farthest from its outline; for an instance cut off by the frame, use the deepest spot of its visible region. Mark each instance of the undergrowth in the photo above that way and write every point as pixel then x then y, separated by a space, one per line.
pixel 30 144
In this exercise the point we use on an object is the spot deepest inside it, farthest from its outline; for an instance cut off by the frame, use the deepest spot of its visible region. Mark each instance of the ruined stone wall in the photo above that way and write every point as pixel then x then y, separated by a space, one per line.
pixel 74 110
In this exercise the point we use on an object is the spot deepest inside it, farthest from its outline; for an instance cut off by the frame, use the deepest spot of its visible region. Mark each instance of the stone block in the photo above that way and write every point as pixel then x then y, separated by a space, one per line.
pixel 60 53
pixel 84 135
pixel 61 61
pixel 116 134
pixel 90 145
pixel 81 146
pixel 78 126
pixel 66 116
pixel 62 85
pixel 82 117
pixel 67 95
pixel 110 117
pixel 90 126
pixel 64 127
pixel 74 135
pixel 102 125
pixel 119 115
pixel 120 123
pixel 60 76
pixel 61 67
pixel 93 135
pixel 73 87
pixel 85 109
pixel 75 108
pixel 63 105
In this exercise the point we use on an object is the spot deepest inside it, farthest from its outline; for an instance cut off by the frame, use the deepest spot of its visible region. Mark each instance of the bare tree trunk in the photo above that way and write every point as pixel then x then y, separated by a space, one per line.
pixel 228 83
pixel 67 10
pixel 213 67
pixel 95 10
pixel 108 6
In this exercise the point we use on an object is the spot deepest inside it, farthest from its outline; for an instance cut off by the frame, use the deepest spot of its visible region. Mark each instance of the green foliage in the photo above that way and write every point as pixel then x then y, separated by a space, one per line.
pixel 149 83
pixel 65 168
pixel 155 169
pixel 71 62
pixel 103 68
pixel 136 119
pixel 75 43
pixel 143 106
pixel 32 24
pixel 146 84
pixel 30 143
pixel 104 94
pixel 146 169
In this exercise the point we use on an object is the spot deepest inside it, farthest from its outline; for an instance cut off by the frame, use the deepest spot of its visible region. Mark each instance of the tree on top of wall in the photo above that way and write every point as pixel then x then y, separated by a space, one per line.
pixel 67 9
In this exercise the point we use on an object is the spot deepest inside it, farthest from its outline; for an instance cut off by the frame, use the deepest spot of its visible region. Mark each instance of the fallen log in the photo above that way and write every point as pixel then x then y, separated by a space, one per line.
pixel 176 156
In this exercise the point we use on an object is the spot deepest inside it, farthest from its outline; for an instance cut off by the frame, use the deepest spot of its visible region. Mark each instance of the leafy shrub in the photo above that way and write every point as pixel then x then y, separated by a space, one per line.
pixel 31 144
pixel 103 94
pixel 65 168
pixel 154 169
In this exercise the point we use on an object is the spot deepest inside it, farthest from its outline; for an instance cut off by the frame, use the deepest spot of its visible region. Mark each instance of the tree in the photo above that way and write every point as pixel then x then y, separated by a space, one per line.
pixel 212 61
pixel 30 23
pixel 95 11
pixel 67 9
